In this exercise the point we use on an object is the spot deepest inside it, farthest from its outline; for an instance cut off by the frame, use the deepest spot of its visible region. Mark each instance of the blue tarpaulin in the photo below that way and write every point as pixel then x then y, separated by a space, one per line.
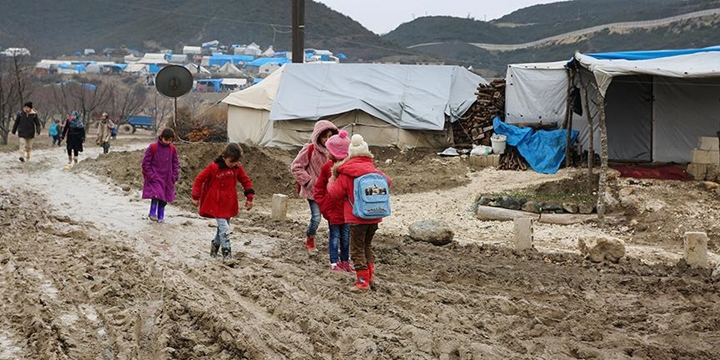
pixel 544 150
pixel 649 54
pixel 262 61
pixel 221 59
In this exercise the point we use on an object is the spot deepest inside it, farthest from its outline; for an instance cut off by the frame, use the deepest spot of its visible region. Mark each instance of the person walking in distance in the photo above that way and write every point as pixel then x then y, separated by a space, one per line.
pixel 342 186
pixel 74 132
pixel 104 132
pixel 215 192
pixel 27 125
pixel 161 170
pixel 306 168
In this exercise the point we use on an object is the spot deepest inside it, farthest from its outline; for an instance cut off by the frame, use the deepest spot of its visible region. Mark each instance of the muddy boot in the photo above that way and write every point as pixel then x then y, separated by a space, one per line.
pixel 214 248
pixel 69 160
pixel 226 254
pixel 371 276
pixel 22 159
pixel 27 156
pixel 75 160
pixel 362 282
pixel 161 214
pixel 310 244
pixel 153 210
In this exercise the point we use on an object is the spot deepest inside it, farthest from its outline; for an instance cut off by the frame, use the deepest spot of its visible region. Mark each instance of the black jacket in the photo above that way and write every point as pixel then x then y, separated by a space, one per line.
pixel 26 125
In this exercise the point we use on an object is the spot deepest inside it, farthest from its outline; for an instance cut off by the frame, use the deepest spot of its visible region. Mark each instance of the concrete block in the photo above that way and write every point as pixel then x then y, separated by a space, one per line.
pixel 697 171
pixel 705 156
pixel 279 206
pixel 523 233
pixel 708 143
pixel 696 249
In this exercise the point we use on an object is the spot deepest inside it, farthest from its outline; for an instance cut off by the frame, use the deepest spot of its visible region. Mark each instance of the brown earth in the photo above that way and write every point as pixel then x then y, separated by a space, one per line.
pixel 83 275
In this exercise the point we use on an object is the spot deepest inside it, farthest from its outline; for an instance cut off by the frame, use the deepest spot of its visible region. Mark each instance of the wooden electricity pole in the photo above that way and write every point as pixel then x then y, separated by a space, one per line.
pixel 298 31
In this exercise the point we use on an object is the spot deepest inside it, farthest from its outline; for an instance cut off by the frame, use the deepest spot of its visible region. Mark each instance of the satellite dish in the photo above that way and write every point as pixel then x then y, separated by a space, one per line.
pixel 174 81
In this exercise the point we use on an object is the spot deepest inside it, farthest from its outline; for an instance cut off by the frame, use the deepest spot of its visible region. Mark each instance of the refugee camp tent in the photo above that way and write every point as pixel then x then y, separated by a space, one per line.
pixel 230 68
pixel 657 103
pixel 401 105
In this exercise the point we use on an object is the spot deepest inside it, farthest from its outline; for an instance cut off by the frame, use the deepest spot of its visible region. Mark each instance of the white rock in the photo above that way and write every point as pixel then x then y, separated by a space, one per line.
pixel 599 248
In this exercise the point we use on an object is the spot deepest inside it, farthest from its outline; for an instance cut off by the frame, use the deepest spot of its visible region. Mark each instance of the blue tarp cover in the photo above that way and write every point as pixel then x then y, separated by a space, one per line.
pixel 649 54
pixel 262 61
pixel 221 59
pixel 543 150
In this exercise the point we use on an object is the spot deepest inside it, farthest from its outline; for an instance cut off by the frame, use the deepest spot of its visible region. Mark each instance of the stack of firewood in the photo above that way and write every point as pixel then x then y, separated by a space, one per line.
pixel 512 160
pixel 476 127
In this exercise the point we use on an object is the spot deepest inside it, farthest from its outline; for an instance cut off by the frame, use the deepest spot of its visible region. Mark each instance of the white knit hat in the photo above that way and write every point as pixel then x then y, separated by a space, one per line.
pixel 358 147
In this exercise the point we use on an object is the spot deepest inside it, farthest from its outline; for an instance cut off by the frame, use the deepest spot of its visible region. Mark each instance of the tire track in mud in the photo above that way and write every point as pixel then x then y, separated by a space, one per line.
pixel 111 285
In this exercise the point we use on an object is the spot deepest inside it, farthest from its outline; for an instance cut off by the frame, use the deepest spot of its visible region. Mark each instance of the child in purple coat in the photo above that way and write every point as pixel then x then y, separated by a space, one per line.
pixel 160 172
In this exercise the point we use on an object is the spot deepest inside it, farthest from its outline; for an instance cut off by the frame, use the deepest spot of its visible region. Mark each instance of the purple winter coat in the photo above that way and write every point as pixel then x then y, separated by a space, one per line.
pixel 160 172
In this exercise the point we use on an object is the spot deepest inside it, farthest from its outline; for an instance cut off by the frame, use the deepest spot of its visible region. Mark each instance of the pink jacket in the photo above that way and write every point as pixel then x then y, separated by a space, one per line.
pixel 306 172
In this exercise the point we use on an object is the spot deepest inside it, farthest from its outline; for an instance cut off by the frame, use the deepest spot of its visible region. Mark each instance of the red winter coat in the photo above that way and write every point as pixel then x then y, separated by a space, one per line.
pixel 216 188
pixel 330 208
pixel 343 187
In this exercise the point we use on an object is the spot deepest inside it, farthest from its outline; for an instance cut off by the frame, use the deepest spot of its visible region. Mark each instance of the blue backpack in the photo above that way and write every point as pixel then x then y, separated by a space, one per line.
pixel 372 197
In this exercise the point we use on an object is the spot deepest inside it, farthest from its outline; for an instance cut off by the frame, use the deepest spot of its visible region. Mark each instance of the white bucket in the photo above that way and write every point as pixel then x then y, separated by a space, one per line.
pixel 498 143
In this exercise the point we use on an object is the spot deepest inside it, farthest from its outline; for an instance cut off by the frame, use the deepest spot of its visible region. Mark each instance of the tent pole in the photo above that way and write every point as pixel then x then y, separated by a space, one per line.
pixel 591 127
pixel 602 183
pixel 567 124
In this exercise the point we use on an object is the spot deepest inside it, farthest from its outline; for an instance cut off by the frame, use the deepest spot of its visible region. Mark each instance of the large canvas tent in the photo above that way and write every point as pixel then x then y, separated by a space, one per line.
pixel 657 103
pixel 401 105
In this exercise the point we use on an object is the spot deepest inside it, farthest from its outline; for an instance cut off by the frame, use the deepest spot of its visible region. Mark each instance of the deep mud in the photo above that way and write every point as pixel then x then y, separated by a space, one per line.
pixel 83 275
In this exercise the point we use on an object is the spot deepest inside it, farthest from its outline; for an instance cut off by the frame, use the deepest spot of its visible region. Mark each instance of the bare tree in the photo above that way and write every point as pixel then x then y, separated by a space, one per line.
pixel 126 99
pixel 15 87
pixel 159 107
pixel 82 95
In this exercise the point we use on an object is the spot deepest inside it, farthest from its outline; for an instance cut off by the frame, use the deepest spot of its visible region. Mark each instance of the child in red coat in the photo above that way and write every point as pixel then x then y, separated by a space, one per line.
pixel 341 186
pixel 215 191
pixel 332 209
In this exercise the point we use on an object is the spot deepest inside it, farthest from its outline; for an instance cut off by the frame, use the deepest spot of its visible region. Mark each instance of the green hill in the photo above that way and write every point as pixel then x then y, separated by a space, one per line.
pixel 48 27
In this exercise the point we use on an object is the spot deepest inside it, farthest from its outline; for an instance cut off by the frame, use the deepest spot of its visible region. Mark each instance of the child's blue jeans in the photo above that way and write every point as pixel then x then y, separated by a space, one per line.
pixel 222 238
pixel 339 238
pixel 315 218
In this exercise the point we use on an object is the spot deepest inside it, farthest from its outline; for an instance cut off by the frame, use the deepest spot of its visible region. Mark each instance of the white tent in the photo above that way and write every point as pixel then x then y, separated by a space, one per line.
pixel 136 68
pixel 230 68
pixel 402 105
pixel 195 69
pixel 150 58
pixel 657 103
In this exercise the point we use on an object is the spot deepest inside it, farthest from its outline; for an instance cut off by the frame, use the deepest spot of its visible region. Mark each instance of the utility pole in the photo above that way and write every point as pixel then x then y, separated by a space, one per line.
pixel 298 31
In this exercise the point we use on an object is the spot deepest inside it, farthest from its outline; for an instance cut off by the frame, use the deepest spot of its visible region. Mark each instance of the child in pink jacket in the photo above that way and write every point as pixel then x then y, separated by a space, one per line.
pixel 306 168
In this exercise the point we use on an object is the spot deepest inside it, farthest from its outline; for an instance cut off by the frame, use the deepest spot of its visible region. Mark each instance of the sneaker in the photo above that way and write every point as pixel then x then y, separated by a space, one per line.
pixel 153 217
pixel 214 250
pixel 22 159
pixel 336 267
pixel 346 266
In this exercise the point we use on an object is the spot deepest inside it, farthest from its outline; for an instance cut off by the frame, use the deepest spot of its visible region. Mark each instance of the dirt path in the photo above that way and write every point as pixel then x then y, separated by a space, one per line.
pixel 84 276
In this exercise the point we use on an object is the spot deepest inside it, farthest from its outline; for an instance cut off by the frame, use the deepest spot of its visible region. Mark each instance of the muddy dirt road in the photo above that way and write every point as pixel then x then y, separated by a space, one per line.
pixel 83 275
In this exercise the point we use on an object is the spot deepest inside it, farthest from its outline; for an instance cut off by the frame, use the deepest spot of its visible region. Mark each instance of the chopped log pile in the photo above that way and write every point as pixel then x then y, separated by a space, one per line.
pixel 512 160
pixel 475 127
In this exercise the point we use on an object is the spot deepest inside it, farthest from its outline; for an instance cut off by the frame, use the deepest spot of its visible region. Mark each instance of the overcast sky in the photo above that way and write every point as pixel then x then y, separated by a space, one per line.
pixel 382 16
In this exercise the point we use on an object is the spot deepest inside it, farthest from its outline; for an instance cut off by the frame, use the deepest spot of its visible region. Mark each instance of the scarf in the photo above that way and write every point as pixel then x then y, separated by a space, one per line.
pixel 75 121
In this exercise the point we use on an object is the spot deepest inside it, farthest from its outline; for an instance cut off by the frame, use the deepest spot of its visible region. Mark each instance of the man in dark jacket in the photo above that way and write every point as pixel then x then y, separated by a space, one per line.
pixel 26 126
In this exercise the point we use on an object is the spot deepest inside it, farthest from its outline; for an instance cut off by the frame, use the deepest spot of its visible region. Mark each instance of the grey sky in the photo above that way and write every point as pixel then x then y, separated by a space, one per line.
pixel 382 16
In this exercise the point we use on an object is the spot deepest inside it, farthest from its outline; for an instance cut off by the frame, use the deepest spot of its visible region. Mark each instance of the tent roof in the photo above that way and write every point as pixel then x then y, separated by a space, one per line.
pixel 260 96
pixel 688 63
pixel 412 97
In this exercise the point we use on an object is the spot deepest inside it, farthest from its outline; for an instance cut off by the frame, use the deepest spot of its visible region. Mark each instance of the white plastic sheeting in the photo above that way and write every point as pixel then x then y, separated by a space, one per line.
pixel 536 93
pixel 347 99
pixel 413 97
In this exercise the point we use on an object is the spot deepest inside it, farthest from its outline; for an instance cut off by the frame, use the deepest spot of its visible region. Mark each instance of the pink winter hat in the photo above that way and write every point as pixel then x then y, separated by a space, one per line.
pixel 338 145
